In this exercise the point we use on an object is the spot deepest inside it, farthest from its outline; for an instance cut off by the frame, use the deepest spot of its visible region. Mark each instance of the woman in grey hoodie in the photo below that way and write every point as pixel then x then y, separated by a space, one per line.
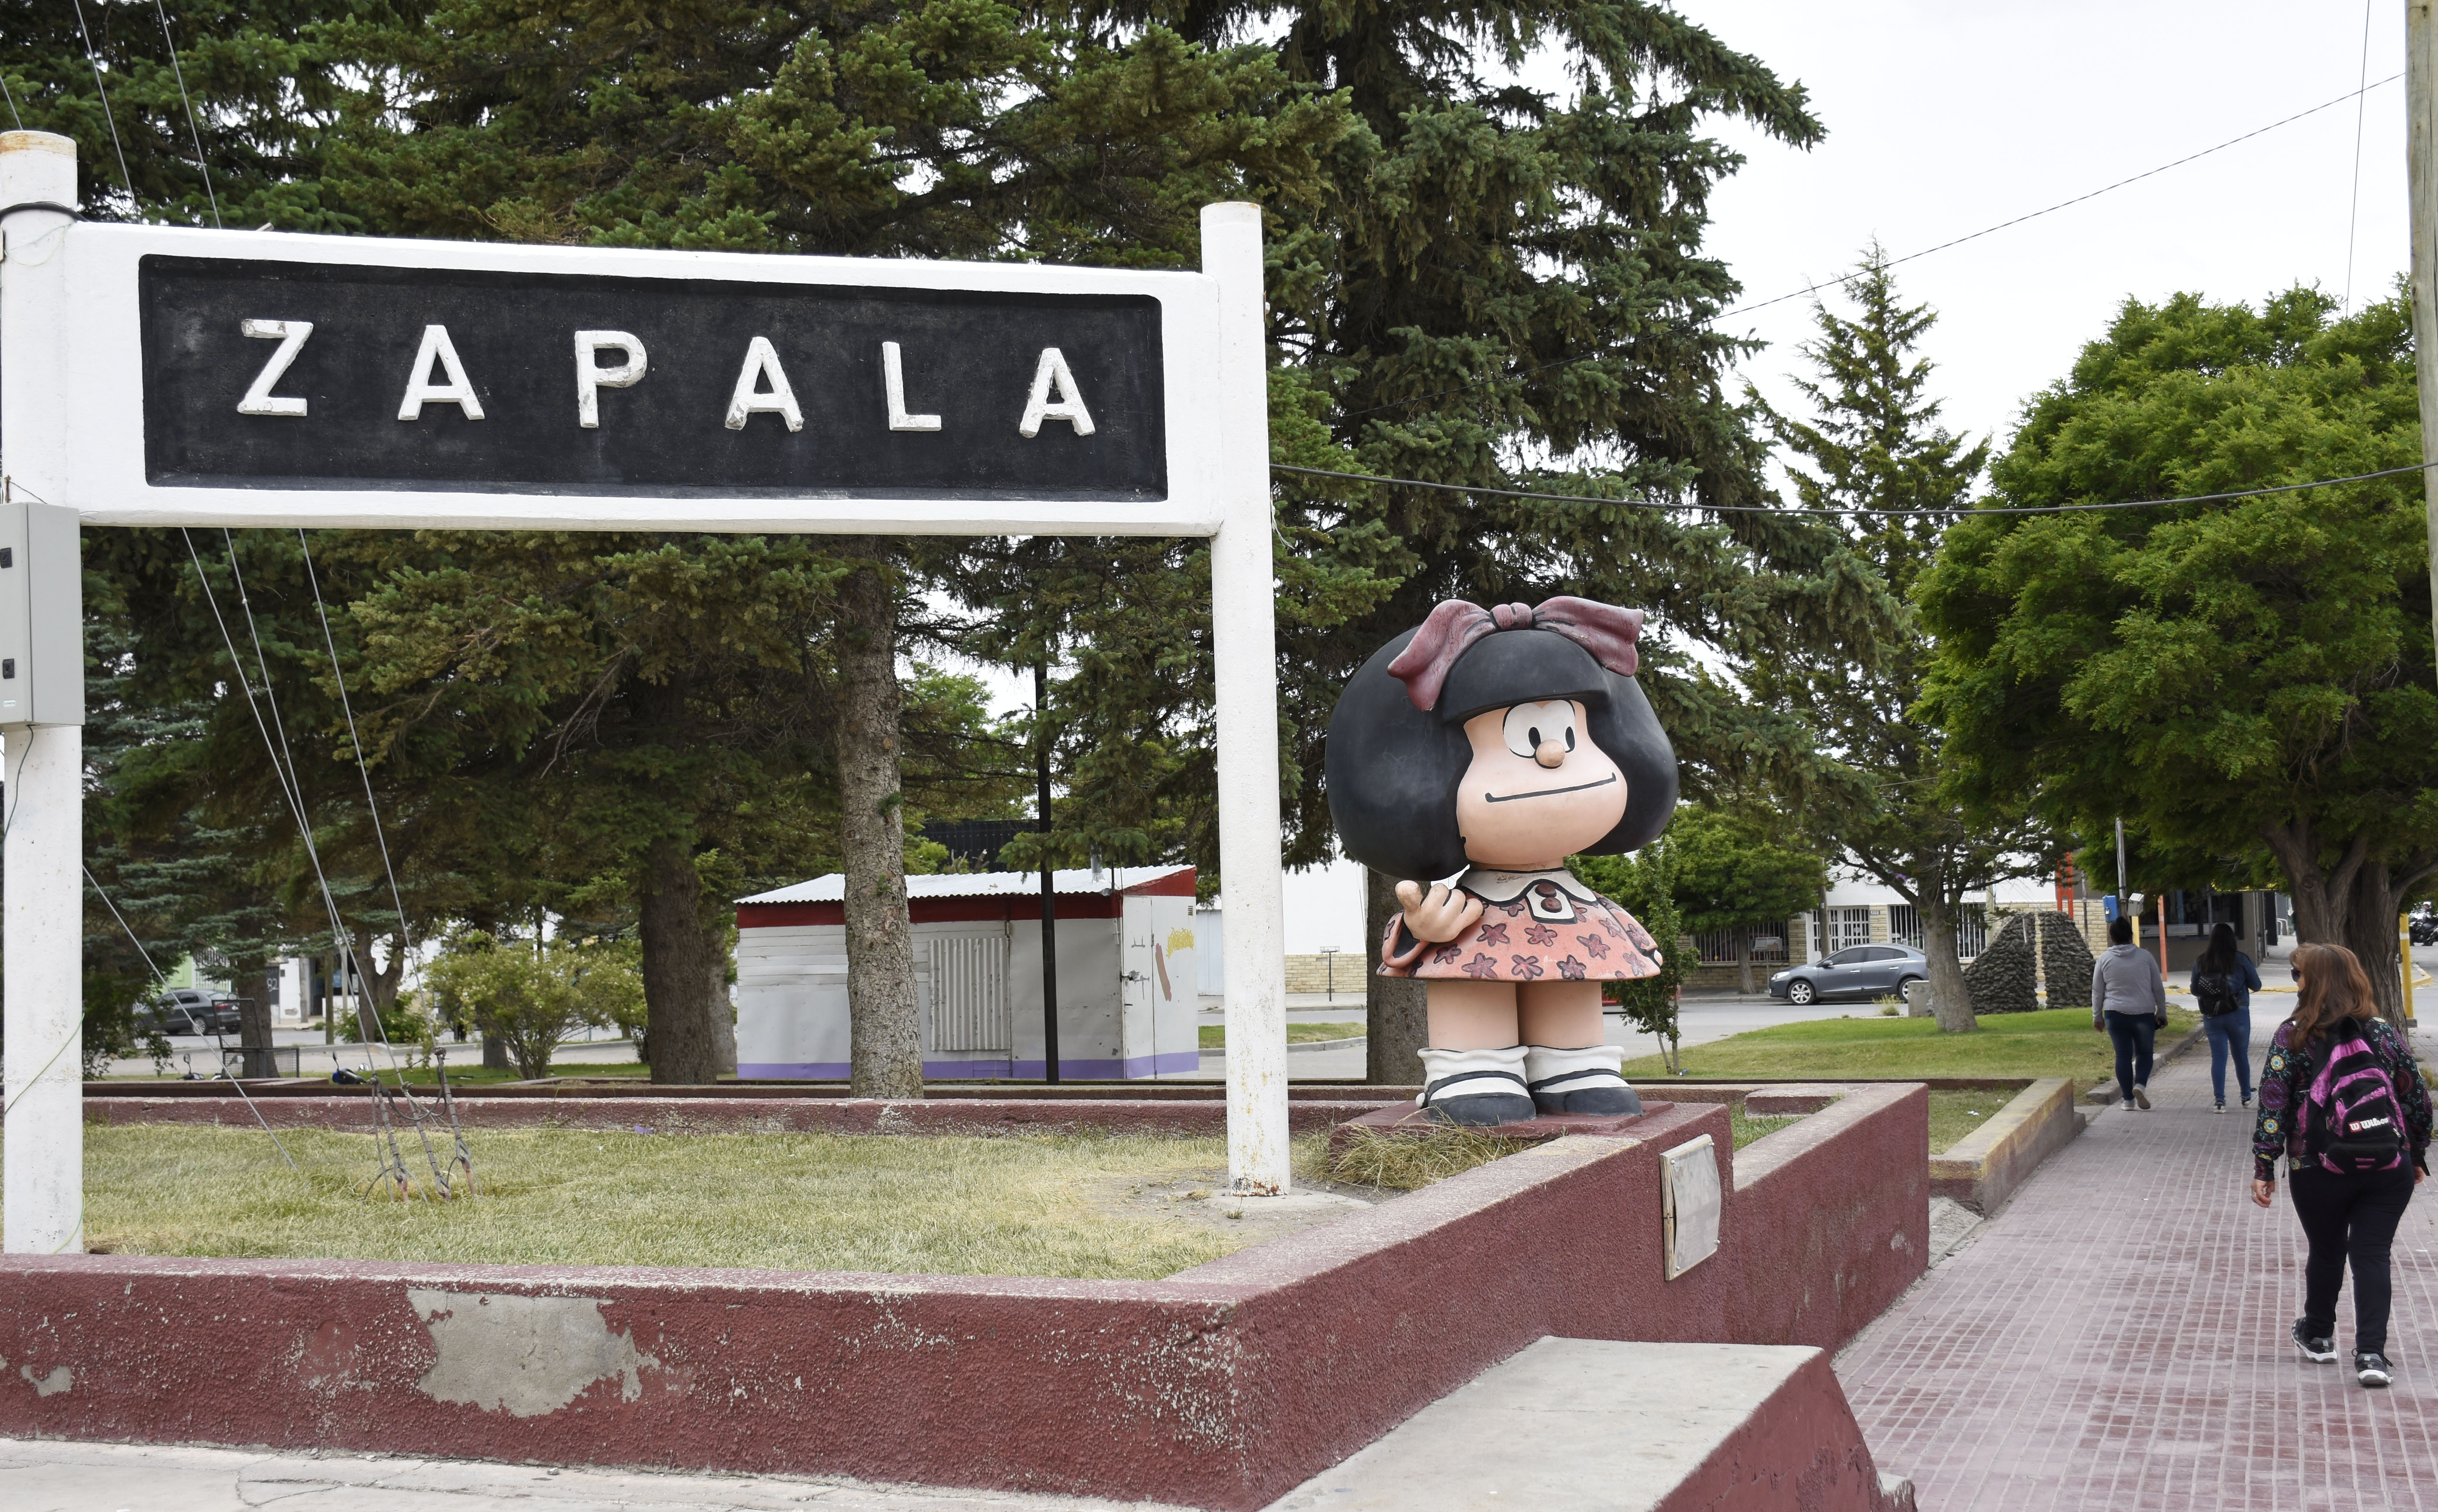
pixel 2129 1000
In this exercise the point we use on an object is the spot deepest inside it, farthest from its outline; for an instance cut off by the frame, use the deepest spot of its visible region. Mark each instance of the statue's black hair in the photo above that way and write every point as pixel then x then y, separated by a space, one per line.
pixel 1393 770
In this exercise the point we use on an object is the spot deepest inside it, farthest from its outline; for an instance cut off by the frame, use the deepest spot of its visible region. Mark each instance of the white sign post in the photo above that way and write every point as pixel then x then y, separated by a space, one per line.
pixel 167 376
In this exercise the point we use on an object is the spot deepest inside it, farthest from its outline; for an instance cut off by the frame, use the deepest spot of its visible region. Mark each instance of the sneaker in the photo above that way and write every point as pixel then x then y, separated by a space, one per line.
pixel 2320 1351
pixel 2141 1093
pixel 2128 1104
pixel 2371 1367
pixel 2221 1107
pixel 2247 1100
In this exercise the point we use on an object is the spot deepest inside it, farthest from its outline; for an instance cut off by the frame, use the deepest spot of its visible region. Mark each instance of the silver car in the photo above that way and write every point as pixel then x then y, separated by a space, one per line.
pixel 1857 971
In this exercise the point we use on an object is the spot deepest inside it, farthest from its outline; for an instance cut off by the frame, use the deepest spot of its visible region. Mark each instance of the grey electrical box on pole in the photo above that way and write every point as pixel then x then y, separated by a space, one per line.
pixel 42 616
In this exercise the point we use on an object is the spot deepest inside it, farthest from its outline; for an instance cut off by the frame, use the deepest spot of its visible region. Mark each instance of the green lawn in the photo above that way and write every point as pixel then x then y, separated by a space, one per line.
pixel 1214 1036
pixel 1954 1114
pixel 1088 1207
pixel 2055 1042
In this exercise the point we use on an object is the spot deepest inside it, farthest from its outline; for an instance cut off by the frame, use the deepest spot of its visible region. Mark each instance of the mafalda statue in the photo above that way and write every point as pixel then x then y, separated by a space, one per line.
pixel 1496 743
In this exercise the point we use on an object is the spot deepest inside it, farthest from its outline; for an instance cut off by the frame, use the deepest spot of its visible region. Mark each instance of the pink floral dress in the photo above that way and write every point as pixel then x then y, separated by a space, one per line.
pixel 1534 926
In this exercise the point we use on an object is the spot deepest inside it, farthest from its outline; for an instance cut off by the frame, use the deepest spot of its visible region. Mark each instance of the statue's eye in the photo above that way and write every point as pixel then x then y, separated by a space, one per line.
pixel 1528 726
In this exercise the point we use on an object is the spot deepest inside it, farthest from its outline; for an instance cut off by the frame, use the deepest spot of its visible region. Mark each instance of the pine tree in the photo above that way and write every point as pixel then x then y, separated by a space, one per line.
pixel 1875 443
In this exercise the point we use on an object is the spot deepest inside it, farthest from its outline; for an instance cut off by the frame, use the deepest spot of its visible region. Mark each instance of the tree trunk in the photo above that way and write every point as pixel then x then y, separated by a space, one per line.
pixel 723 1016
pixel 1396 1009
pixel 2323 896
pixel 1744 982
pixel 2370 934
pixel 383 983
pixel 885 1017
pixel 1948 999
pixel 677 954
pixel 2352 903
pixel 246 981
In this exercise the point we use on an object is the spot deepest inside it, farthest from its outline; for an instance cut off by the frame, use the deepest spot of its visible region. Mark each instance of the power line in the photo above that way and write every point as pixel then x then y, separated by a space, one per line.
pixel 1812 290
pixel 192 125
pixel 160 980
pixel 108 119
pixel 406 942
pixel 1959 512
pixel 2362 109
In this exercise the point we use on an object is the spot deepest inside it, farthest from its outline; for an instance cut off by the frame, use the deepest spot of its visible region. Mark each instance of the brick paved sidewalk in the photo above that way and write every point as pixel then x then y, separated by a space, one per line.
pixel 2116 1338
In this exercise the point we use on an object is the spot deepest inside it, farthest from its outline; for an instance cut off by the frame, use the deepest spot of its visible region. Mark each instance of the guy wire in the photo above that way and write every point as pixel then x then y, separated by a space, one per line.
pixel 193 127
pixel 160 980
pixel 108 119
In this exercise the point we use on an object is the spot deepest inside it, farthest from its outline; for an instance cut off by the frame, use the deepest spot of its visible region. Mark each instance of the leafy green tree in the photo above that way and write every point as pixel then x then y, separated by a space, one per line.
pixel 2234 677
pixel 1733 869
pixel 1645 883
pixel 521 996
pixel 1875 443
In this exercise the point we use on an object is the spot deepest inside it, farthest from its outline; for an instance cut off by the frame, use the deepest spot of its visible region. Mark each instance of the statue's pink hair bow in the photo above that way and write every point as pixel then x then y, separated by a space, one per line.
pixel 1604 629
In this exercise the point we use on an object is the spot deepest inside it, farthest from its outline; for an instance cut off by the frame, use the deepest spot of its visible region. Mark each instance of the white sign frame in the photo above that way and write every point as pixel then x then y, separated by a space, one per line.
pixel 105 389
pixel 72 415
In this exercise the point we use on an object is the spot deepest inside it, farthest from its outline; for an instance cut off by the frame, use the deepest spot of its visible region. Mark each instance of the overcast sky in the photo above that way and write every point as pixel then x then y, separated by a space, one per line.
pixel 1947 117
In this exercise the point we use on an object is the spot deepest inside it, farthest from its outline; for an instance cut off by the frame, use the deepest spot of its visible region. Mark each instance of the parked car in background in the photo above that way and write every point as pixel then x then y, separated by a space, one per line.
pixel 1857 971
pixel 2425 925
pixel 187 1011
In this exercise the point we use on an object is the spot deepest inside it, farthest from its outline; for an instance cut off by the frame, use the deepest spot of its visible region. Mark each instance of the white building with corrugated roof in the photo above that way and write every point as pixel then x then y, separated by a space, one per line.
pixel 1127 961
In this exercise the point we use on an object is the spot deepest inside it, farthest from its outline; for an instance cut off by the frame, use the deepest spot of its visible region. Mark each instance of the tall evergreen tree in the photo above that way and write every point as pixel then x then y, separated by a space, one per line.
pixel 1874 442
pixel 1508 289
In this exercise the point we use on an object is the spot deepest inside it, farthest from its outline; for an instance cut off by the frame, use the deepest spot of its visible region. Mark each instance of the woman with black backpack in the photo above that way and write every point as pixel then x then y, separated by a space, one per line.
pixel 2342 1101
pixel 2224 981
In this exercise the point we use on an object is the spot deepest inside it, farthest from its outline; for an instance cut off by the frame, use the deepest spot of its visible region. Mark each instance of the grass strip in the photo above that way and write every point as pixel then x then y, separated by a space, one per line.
pixel 1055 1205
pixel 2054 1042
pixel 1214 1036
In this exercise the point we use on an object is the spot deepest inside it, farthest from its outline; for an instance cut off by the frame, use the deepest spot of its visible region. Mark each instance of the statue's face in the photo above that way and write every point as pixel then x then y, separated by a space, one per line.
pixel 1538 789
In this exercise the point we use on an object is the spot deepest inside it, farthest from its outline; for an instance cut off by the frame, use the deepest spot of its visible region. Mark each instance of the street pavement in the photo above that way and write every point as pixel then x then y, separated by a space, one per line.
pixel 2116 1338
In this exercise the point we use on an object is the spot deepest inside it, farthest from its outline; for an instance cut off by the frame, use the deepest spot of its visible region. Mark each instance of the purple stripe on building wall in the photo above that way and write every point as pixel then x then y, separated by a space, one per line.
pixel 1102 1070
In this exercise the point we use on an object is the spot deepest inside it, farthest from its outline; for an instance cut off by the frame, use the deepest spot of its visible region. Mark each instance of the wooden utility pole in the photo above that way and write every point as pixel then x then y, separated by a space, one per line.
pixel 2421 163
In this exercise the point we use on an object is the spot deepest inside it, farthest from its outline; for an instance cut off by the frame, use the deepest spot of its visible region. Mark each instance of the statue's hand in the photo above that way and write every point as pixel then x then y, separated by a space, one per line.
pixel 1440 917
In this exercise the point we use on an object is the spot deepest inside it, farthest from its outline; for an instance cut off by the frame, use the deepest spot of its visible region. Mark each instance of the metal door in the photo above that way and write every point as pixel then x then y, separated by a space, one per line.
pixel 969 1006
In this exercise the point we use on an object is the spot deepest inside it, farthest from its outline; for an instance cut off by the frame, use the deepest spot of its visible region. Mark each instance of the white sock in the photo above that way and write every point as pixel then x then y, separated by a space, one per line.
pixel 1472 1073
pixel 1559 1071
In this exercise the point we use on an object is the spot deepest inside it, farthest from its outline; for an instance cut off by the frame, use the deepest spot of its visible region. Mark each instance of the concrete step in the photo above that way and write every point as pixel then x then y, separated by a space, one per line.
pixel 1598 1426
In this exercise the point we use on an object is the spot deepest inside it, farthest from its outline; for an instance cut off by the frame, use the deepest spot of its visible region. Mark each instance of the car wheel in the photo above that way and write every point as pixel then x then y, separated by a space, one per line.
pixel 1903 982
pixel 1800 992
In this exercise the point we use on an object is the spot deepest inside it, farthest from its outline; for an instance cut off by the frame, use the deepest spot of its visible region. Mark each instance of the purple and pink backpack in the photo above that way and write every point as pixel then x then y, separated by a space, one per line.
pixel 2354 1119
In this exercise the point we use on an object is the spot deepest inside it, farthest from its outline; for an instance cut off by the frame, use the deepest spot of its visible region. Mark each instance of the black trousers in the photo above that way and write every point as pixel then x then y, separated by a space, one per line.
pixel 2351 1216
pixel 2134 1034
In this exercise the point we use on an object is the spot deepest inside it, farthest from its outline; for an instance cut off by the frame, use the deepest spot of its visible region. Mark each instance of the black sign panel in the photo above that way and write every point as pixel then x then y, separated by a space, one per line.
pixel 974 371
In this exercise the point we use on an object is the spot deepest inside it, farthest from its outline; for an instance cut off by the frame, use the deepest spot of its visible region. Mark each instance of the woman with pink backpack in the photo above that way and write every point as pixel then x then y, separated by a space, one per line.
pixel 2343 1099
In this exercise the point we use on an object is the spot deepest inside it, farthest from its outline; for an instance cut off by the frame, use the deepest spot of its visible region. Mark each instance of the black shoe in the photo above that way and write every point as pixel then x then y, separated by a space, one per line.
pixel 1485 1111
pixel 2320 1351
pixel 2371 1367
pixel 1608 1100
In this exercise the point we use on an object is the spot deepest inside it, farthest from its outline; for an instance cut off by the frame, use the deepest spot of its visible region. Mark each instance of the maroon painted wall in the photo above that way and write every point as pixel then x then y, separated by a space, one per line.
pixel 1223 1386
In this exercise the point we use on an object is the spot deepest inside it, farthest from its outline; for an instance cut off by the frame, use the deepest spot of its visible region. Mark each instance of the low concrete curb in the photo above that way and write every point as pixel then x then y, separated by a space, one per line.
pixel 1984 1170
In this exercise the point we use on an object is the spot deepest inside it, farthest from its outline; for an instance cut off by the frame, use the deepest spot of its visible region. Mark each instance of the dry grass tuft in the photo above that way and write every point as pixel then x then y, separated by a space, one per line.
pixel 1405 1162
